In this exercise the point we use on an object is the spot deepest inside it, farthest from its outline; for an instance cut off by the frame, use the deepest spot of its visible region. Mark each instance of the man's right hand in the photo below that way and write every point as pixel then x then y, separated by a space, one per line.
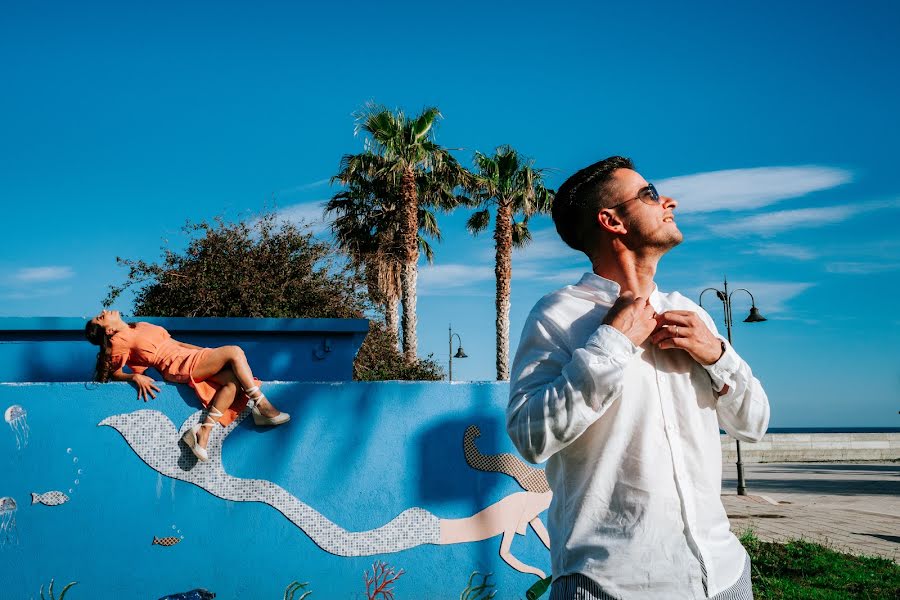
pixel 634 317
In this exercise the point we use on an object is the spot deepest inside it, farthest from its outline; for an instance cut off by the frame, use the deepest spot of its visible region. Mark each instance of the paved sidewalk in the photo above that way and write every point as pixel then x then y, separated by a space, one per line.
pixel 851 507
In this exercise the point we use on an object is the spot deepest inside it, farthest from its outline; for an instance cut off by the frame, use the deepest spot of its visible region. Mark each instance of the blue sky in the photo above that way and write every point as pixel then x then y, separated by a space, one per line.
pixel 775 126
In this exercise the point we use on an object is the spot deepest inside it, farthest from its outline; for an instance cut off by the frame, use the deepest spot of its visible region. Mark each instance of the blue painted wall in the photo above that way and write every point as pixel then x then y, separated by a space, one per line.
pixel 358 454
pixel 54 348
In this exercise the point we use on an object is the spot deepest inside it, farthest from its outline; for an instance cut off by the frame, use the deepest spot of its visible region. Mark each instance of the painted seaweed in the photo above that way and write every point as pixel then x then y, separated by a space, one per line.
pixel 293 588
pixel 50 591
pixel 483 590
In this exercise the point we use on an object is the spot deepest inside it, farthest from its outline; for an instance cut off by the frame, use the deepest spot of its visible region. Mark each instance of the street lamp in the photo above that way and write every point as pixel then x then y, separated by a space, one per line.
pixel 459 352
pixel 754 317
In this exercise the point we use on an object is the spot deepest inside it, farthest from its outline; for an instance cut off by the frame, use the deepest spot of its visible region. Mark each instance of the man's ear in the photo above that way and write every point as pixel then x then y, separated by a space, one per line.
pixel 610 221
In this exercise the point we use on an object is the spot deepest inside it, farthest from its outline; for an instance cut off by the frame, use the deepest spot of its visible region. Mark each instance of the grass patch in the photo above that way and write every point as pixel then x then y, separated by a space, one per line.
pixel 802 570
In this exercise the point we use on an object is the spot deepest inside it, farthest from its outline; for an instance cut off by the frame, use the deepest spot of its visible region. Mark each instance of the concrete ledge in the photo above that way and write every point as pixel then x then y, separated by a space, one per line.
pixel 815 447
pixel 53 349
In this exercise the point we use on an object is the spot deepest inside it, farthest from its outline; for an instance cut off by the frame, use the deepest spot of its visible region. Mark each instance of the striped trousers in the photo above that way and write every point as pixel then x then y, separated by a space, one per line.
pixel 580 587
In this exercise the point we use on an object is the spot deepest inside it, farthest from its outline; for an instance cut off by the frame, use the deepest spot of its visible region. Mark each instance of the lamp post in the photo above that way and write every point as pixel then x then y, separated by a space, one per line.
pixel 459 352
pixel 754 317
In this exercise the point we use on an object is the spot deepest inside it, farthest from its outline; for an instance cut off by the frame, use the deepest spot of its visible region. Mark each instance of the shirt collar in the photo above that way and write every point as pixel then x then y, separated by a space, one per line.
pixel 610 290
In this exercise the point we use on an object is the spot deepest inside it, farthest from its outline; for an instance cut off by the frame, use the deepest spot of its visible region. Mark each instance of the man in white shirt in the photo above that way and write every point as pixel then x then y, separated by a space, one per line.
pixel 622 389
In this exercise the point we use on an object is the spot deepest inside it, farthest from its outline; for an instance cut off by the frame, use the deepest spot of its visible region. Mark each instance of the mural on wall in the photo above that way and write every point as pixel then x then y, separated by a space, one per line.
pixel 15 416
pixel 166 541
pixel 78 471
pixel 8 532
pixel 157 442
pixel 154 438
pixel 53 498
pixel 509 516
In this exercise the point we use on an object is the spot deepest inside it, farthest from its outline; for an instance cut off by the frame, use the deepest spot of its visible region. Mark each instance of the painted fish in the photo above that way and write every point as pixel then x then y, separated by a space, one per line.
pixel 166 541
pixel 53 498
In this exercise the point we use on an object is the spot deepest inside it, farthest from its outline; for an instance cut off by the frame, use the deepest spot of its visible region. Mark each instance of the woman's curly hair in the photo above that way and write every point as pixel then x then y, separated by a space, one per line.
pixel 96 334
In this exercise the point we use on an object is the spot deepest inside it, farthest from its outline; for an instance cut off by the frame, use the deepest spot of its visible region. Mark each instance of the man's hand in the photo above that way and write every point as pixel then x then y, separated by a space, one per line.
pixel 632 316
pixel 686 330
pixel 146 386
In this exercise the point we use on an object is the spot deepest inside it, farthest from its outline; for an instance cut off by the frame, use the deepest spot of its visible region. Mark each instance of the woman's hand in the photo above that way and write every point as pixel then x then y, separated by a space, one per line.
pixel 146 386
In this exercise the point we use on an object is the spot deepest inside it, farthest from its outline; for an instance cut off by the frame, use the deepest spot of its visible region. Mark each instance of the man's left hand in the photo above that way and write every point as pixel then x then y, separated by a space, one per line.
pixel 686 330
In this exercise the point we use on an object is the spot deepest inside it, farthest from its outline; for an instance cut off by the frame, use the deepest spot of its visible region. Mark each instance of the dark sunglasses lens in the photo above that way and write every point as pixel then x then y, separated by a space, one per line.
pixel 650 194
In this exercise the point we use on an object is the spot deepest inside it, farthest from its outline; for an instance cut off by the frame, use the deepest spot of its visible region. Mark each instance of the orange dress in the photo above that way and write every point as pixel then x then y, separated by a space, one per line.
pixel 147 345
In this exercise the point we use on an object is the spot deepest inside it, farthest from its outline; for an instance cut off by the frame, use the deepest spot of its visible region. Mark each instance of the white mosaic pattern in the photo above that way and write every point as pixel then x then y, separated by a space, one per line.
pixel 155 440
pixel 530 478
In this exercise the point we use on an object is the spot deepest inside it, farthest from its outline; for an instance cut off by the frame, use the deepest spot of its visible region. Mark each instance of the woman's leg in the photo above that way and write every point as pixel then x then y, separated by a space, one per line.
pixel 222 400
pixel 232 359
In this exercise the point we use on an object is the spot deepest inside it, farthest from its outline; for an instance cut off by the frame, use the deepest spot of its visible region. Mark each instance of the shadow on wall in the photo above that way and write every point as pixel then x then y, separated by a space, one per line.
pixel 68 362
pixel 441 452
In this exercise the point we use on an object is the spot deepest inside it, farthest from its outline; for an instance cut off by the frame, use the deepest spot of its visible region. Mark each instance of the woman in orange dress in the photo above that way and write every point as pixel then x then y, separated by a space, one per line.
pixel 215 374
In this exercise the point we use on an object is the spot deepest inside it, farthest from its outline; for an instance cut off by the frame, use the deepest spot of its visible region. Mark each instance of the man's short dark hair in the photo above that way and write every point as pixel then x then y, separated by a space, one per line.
pixel 581 196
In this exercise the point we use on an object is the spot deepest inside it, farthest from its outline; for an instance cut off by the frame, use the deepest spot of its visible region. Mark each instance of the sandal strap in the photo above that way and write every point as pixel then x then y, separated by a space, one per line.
pixel 213 415
pixel 254 395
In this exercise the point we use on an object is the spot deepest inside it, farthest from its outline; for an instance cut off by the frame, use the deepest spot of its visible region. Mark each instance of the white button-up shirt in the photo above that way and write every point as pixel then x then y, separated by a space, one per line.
pixel 631 436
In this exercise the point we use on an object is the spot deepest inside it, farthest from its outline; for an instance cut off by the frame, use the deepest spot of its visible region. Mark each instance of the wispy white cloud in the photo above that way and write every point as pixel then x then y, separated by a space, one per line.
pixel 772 297
pixel 561 277
pixel 43 274
pixel 478 279
pixel 782 251
pixel 452 278
pixel 545 245
pixel 860 268
pixel 312 213
pixel 302 188
pixel 34 293
pixel 745 189
pixel 771 223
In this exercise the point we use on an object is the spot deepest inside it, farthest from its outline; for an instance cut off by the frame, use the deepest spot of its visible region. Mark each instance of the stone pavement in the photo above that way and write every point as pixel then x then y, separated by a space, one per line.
pixel 851 507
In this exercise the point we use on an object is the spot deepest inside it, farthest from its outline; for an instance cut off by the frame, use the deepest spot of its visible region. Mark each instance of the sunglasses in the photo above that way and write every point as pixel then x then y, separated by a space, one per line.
pixel 647 195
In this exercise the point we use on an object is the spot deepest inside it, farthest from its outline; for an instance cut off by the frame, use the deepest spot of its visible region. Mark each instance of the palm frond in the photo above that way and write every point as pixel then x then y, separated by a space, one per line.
pixel 521 236
pixel 428 224
pixel 426 249
pixel 424 122
pixel 479 221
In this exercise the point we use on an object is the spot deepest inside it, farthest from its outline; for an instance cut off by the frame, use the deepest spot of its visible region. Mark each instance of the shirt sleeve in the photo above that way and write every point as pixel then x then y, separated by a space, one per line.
pixel 554 394
pixel 743 410
pixel 117 361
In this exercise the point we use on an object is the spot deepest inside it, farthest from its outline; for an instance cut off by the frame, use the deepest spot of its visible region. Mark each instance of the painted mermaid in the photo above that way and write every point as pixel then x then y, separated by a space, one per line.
pixel 217 375
pixel 508 516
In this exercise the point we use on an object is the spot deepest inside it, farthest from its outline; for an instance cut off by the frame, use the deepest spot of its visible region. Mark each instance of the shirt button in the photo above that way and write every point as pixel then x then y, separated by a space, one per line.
pixel 670 428
pixel 662 377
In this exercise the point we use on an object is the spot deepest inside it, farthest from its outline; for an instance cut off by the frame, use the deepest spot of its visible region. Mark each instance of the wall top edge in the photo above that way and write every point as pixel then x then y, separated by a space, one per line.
pixel 12 325
pixel 267 383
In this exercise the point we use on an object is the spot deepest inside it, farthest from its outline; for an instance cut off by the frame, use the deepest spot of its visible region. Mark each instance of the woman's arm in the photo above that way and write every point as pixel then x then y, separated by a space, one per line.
pixel 146 385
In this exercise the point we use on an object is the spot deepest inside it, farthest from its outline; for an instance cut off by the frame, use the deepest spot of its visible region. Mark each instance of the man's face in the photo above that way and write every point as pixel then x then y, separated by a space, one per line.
pixel 649 224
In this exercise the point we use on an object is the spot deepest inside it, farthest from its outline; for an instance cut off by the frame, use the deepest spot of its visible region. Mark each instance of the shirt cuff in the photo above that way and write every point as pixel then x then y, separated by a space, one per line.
pixel 610 342
pixel 723 370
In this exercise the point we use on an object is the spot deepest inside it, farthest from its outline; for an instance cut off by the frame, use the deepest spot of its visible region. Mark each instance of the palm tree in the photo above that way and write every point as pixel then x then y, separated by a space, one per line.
pixel 366 225
pixel 409 159
pixel 511 184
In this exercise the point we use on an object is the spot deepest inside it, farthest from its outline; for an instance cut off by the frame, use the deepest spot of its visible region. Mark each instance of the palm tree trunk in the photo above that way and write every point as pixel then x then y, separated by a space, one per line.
pixel 409 240
pixel 503 273
pixel 391 319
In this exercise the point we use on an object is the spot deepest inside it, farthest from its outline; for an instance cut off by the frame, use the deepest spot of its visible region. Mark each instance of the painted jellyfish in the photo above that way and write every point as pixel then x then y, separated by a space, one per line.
pixel 15 416
pixel 8 533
